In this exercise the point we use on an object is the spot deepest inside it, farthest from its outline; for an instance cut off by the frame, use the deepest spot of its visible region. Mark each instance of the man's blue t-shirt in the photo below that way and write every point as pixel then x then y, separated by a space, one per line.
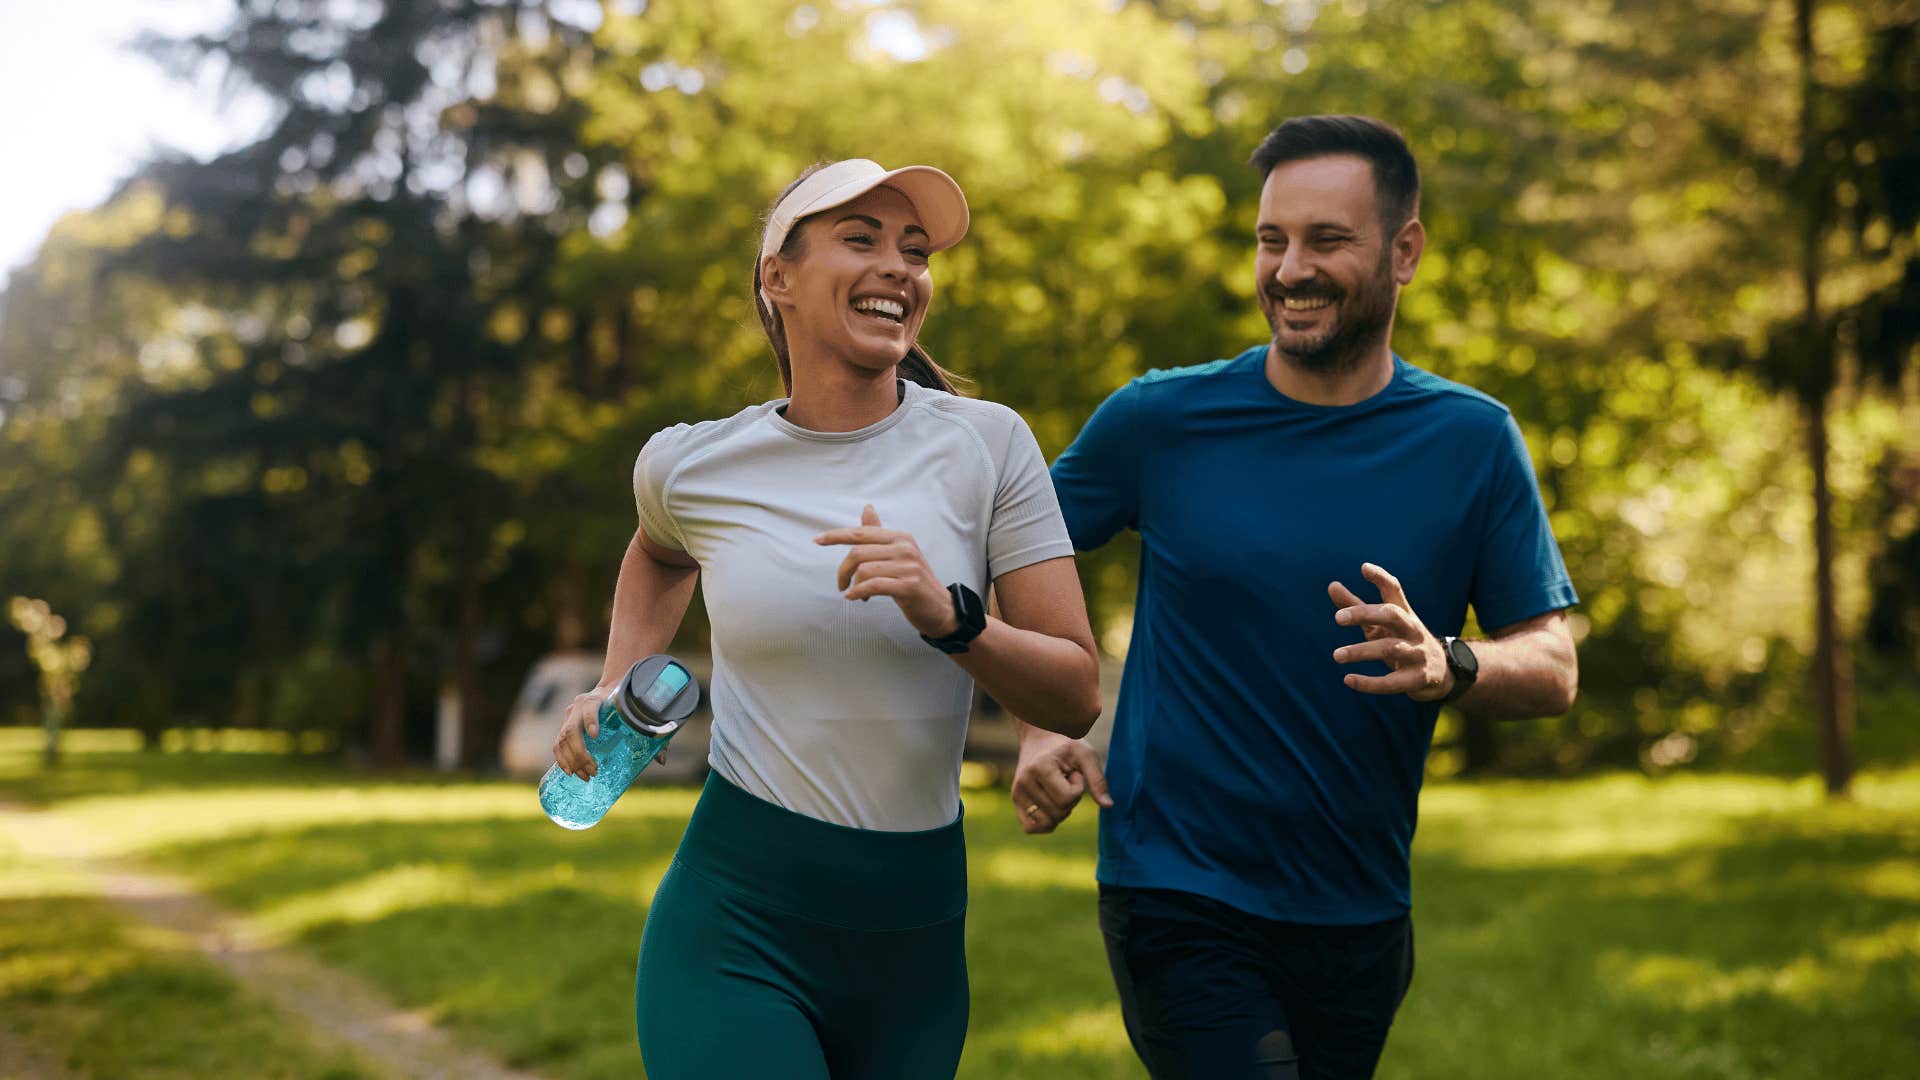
pixel 1242 767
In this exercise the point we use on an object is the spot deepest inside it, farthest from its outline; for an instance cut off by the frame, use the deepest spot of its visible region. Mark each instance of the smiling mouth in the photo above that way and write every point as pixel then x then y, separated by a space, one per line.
pixel 1305 303
pixel 876 307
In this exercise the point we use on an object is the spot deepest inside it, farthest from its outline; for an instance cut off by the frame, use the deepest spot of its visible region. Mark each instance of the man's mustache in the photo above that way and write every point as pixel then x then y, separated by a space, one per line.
pixel 1278 295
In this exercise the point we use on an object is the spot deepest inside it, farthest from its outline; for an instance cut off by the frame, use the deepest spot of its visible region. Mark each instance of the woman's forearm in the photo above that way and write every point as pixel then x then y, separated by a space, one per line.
pixel 649 600
pixel 1049 682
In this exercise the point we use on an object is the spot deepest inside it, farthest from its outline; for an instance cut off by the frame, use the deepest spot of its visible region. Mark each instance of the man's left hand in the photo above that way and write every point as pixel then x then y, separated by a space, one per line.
pixel 1395 637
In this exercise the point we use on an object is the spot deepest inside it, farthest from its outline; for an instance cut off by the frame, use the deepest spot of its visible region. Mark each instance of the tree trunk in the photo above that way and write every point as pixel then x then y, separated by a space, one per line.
pixel 1832 669
pixel 466 645
pixel 1832 666
pixel 54 723
pixel 388 707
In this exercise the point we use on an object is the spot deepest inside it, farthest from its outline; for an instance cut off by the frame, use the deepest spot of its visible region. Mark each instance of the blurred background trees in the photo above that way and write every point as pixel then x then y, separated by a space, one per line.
pixel 327 429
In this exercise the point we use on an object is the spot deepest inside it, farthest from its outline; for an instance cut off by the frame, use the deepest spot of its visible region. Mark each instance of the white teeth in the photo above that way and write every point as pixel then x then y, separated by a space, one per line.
pixel 874 305
pixel 1306 303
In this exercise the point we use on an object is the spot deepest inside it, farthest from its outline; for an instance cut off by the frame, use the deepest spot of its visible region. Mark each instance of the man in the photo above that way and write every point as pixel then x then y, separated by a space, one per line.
pixel 1276 712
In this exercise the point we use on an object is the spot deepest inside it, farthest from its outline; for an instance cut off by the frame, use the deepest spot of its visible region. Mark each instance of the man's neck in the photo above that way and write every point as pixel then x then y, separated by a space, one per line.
pixel 831 395
pixel 1349 384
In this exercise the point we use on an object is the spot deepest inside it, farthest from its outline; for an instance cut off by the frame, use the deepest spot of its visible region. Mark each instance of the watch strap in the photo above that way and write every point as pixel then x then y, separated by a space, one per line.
pixel 1463 676
pixel 972 617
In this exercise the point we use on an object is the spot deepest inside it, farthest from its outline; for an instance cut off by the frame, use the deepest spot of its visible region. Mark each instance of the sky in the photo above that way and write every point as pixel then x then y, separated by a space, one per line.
pixel 82 111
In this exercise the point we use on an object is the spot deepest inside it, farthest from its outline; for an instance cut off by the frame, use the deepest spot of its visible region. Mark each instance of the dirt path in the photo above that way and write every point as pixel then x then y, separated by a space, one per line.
pixel 20 1061
pixel 342 1008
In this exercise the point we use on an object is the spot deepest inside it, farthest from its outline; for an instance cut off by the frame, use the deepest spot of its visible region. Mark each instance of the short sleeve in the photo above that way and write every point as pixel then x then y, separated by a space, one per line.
pixel 651 473
pixel 1519 572
pixel 1097 479
pixel 1026 526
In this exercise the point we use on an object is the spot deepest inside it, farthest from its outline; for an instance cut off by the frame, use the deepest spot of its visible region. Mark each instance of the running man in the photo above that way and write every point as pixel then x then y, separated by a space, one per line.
pixel 1277 709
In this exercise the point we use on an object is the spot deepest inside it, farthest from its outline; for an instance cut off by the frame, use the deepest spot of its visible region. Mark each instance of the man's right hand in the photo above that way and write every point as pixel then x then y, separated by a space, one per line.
pixel 1054 771
pixel 569 747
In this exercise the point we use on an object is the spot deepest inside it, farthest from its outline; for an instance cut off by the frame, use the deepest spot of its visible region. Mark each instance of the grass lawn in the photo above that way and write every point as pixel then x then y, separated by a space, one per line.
pixel 1696 926
pixel 86 993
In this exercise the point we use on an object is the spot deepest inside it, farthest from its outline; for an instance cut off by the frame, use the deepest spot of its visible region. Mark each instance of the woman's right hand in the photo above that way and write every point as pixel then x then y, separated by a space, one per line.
pixel 570 746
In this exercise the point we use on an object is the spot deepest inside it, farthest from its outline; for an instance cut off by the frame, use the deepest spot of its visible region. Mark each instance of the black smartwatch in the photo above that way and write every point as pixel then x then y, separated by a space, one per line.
pixel 1464 665
pixel 973 619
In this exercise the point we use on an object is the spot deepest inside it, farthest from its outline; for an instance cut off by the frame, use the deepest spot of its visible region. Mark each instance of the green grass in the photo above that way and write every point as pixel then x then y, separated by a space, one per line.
pixel 87 994
pixel 1694 926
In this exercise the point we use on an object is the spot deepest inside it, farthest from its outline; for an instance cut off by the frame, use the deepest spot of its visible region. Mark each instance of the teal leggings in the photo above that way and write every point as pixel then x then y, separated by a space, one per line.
pixel 782 946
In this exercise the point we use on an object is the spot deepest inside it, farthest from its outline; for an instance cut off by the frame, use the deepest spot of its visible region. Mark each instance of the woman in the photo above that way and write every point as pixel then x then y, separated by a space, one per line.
pixel 811 923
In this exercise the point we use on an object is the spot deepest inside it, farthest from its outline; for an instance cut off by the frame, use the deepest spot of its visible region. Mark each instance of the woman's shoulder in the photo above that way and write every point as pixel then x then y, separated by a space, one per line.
pixel 985 416
pixel 686 437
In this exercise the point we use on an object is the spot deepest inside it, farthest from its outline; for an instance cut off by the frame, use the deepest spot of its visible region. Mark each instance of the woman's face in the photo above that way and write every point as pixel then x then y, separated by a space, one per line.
pixel 860 289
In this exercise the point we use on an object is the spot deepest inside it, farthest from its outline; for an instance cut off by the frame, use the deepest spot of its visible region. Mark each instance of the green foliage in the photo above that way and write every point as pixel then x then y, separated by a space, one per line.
pixel 299 434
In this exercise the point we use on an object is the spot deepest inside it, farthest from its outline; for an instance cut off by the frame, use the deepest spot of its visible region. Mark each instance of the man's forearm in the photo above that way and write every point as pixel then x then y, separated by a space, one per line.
pixel 1525 671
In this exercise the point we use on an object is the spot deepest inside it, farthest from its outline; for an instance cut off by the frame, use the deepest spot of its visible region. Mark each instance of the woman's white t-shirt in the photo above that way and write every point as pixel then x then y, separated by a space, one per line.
pixel 829 707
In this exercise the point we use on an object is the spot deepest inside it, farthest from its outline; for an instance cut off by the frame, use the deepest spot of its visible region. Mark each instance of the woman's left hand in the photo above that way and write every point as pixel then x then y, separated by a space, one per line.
pixel 887 562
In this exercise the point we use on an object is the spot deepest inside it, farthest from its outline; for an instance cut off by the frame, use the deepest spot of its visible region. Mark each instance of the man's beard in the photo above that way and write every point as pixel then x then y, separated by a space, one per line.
pixel 1360 324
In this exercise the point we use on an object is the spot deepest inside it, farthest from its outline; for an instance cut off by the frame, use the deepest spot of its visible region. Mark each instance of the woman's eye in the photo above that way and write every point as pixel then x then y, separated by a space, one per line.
pixel 859 238
pixel 919 253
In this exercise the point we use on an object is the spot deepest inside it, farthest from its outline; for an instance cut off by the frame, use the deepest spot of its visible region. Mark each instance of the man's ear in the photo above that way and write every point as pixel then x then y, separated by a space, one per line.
pixel 776 279
pixel 1408 244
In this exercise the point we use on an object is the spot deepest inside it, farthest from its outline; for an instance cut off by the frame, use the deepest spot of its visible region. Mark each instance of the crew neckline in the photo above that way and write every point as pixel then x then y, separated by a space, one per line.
pixel 1257 364
pixel 909 396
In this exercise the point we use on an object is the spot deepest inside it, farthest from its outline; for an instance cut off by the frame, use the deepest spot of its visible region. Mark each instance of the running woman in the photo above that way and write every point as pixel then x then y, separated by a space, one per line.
pixel 811 923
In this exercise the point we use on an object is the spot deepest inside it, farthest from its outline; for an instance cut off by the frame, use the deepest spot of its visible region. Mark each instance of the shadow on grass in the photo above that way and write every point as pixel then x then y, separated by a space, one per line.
pixel 1793 952
pixel 1776 948
pixel 96 999
pixel 88 775
pixel 522 936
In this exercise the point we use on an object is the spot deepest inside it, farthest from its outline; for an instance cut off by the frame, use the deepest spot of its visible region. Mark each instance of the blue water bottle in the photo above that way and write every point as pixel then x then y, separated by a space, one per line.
pixel 649 704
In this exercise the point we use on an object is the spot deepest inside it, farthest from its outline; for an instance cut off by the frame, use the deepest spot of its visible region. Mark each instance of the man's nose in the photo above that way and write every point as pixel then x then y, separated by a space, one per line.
pixel 1296 268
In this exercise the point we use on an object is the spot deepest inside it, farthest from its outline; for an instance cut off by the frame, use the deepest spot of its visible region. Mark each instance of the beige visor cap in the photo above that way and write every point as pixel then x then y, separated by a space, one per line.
pixel 934 195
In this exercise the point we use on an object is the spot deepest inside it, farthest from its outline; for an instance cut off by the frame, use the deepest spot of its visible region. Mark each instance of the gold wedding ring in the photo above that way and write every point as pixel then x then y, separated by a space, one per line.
pixel 1033 809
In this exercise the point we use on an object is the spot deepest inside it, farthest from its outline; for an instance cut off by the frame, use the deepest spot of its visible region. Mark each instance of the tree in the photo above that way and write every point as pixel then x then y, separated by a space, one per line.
pixel 354 285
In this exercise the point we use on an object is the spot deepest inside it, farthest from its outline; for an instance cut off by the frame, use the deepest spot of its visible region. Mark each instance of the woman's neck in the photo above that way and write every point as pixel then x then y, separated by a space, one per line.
pixel 830 394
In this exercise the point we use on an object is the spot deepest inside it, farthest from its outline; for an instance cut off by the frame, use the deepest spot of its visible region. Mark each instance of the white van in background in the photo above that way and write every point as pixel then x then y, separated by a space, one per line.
pixel 526 749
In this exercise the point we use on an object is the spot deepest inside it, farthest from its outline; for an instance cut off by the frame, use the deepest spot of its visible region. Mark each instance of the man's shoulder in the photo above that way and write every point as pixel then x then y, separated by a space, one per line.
pixel 1192 377
pixel 1184 373
pixel 1457 398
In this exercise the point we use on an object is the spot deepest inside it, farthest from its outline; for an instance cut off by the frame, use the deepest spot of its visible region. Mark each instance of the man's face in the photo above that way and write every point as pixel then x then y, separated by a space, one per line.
pixel 1326 274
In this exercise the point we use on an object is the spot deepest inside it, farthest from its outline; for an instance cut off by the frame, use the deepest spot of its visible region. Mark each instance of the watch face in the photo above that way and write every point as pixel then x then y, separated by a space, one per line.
pixel 967 606
pixel 1462 657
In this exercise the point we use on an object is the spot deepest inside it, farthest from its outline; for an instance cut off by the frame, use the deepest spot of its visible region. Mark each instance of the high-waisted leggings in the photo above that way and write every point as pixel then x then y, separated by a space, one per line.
pixel 779 945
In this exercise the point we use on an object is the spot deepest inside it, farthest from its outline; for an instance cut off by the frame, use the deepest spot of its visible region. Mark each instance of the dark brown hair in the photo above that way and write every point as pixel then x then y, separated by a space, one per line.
pixel 916 366
pixel 1396 176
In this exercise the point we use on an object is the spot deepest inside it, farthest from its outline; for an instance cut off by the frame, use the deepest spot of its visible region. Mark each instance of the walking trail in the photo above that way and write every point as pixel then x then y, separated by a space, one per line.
pixel 341 1008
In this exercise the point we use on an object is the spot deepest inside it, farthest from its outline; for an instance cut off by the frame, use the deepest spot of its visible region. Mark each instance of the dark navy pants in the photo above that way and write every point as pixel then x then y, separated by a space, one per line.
pixel 1210 992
